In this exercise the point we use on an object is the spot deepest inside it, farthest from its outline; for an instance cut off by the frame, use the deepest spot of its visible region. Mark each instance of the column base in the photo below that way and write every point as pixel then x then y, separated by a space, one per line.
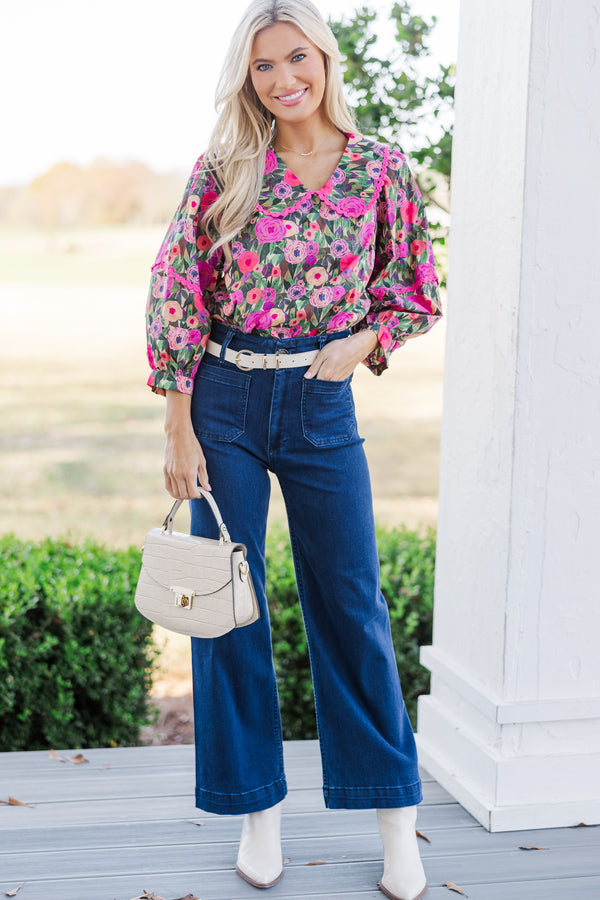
pixel 493 788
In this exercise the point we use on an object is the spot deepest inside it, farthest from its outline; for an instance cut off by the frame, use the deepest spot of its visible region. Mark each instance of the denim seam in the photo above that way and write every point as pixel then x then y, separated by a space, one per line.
pixel 240 805
pixel 258 790
pixel 241 416
pixel 277 729
pixel 376 787
pixel 410 796
pixel 272 403
pixel 313 662
pixel 325 442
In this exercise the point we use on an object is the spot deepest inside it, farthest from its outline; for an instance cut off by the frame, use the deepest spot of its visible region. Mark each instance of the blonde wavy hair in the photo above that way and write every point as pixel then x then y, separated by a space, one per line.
pixel 245 127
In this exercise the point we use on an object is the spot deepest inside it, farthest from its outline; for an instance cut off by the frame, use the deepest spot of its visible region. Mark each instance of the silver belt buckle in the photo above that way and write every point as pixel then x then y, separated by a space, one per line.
pixel 277 362
pixel 238 362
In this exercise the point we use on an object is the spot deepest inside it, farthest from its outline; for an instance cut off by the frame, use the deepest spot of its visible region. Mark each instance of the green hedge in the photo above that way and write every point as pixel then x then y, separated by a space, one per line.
pixel 75 655
pixel 407 571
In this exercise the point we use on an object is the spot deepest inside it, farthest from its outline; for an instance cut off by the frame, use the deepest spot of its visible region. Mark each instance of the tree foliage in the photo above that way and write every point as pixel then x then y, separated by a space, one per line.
pixel 398 97
pixel 104 193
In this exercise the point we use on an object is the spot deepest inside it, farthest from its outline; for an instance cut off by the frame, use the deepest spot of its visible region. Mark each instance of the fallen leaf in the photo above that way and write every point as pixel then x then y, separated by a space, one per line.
pixel 105 766
pixel 188 897
pixel 80 758
pixel 531 847
pixel 585 825
pixel 15 891
pixel 197 822
pixel 317 862
pixel 54 755
pixel 454 887
pixel 148 896
pixel 424 836
pixel 12 801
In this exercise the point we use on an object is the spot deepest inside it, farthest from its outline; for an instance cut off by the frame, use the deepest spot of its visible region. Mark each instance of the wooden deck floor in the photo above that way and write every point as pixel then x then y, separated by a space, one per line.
pixel 125 823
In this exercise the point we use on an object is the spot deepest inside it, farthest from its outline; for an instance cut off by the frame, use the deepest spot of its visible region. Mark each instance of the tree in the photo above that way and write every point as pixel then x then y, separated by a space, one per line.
pixel 394 98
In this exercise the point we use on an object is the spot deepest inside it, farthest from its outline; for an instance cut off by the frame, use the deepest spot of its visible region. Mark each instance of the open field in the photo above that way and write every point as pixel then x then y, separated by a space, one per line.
pixel 81 443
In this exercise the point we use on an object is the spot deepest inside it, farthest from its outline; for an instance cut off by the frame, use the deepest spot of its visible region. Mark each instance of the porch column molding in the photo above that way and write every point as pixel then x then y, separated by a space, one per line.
pixel 511 727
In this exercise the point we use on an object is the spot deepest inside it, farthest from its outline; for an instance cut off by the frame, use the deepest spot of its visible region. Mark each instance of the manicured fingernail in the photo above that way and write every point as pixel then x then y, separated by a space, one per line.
pixel 308 375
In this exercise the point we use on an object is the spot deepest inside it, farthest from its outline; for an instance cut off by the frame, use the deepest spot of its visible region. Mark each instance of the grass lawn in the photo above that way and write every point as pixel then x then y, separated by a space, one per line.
pixel 82 440
pixel 81 443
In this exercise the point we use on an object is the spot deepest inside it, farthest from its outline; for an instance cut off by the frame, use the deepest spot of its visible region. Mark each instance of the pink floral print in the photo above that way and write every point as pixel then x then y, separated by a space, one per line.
pixel 355 254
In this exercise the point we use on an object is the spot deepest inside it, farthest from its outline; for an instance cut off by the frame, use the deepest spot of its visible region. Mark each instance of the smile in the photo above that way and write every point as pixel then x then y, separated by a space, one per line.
pixel 291 98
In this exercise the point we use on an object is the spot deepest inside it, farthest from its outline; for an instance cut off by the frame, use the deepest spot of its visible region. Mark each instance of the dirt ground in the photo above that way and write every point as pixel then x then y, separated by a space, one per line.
pixel 172 692
pixel 175 723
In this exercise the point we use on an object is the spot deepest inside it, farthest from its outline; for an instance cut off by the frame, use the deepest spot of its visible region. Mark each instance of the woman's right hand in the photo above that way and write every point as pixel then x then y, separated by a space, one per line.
pixel 184 460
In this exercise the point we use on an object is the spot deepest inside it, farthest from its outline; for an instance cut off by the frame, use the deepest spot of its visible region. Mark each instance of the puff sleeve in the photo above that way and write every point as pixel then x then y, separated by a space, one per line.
pixel 403 287
pixel 184 274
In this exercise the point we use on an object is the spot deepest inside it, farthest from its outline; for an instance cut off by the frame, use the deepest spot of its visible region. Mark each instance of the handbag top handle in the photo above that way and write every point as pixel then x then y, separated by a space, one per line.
pixel 167 525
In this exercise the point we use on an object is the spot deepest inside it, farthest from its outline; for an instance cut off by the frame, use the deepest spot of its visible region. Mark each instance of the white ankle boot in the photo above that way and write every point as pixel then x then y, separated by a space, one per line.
pixel 403 873
pixel 259 857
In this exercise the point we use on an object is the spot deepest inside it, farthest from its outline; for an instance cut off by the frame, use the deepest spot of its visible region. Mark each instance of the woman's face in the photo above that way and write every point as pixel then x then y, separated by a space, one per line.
pixel 288 72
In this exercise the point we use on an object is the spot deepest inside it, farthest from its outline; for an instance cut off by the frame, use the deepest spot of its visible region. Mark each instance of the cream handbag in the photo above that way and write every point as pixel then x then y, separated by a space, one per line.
pixel 195 585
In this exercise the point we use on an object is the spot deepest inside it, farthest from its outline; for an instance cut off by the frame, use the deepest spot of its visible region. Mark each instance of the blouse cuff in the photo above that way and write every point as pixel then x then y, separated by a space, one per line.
pixel 170 381
pixel 378 359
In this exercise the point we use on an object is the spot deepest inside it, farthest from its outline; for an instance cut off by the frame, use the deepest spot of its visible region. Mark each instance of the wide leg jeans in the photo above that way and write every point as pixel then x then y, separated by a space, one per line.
pixel 250 423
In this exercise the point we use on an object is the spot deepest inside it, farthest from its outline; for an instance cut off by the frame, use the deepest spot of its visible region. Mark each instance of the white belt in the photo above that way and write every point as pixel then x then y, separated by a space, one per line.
pixel 246 359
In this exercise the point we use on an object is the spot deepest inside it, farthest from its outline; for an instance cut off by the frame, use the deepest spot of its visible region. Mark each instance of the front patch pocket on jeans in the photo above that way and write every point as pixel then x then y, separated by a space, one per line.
pixel 328 416
pixel 219 403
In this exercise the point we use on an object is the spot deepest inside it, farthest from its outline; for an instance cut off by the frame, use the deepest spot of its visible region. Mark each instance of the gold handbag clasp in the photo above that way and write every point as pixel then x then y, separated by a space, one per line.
pixel 183 599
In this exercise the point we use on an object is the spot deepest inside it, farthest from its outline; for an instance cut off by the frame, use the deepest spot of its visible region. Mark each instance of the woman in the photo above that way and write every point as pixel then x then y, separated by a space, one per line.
pixel 299 250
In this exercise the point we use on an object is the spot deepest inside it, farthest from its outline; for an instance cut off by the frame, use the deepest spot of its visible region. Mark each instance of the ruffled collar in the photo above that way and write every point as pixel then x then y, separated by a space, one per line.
pixel 351 191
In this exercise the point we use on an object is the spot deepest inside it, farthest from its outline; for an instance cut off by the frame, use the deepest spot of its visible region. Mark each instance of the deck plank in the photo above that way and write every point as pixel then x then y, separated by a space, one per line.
pixel 83 783
pixel 457 859
pixel 315 882
pixel 110 833
pixel 431 819
pixel 296 753
pixel 118 809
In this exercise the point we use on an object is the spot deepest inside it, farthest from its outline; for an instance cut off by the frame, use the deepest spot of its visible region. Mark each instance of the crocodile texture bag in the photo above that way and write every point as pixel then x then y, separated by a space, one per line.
pixel 195 585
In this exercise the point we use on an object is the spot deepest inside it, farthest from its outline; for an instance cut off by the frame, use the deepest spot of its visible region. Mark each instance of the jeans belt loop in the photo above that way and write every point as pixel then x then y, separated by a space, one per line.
pixel 277 361
pixel 226 341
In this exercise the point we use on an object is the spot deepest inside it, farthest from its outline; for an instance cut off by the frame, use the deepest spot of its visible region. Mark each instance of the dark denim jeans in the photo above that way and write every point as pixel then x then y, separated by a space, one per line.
pixel 304 431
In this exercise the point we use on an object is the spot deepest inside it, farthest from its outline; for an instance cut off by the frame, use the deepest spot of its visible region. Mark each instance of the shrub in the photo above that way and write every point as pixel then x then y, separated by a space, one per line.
pixel 75 655
pixel 407 570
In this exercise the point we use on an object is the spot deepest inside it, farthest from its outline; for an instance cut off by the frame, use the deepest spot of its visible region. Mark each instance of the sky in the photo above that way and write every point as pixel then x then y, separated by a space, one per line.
pixel 129 79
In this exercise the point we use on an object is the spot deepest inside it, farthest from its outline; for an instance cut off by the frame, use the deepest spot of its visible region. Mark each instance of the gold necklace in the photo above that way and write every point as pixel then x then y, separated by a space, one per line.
pixel 298 152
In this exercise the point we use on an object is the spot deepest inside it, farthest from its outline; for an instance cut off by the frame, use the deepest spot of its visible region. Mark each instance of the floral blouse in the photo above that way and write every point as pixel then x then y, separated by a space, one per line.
pixel 355 254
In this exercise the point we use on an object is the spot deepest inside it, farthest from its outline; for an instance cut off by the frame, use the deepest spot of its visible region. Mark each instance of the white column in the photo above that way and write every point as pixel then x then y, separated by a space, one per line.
pixel 511 727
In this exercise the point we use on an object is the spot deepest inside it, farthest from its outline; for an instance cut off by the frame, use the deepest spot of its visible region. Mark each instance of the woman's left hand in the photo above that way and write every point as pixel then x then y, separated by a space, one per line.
pixel 338 359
